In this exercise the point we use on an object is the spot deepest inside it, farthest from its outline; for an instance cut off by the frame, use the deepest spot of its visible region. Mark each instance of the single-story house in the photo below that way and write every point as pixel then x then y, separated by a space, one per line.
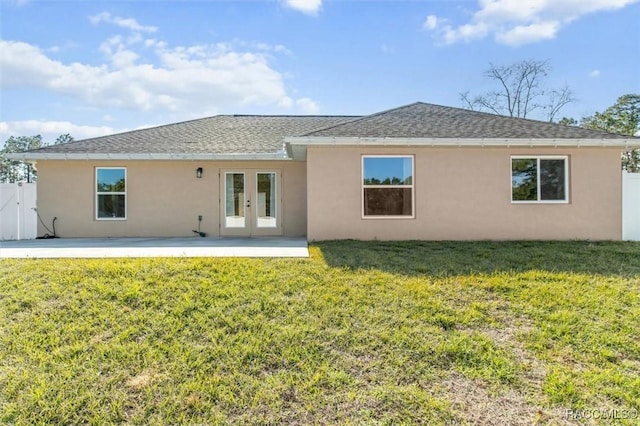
pixel 420 171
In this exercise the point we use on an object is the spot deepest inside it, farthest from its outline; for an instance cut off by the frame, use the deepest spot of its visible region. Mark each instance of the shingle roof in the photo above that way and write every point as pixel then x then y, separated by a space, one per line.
pixel 223 134
pixel 258 136
pixel 422 120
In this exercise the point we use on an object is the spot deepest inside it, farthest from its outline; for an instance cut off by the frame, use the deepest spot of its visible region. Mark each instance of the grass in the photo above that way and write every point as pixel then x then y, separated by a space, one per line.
pixel 360 333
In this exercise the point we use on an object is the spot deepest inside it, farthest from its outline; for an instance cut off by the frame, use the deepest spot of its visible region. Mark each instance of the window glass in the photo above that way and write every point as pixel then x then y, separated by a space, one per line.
pixel 110 180
pixel 552 178
pixel 387 201
pixel 388 170
pixel 524 179
pixel 387 186
pixel 539 179
pixel 111 206
pixel 111 184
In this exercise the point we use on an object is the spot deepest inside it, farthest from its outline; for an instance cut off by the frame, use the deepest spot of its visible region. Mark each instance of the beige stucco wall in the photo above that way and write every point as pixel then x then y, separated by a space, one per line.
pixel 465 194
pixel 164 198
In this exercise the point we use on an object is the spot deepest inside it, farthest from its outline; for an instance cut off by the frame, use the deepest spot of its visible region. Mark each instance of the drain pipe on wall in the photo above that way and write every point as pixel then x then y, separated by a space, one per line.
pixel 53 225
pixel 202 234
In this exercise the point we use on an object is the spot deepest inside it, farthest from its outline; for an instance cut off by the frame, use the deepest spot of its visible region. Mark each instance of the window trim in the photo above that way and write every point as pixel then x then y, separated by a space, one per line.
pixel 98 193
pixel 538 158
pixel 412 186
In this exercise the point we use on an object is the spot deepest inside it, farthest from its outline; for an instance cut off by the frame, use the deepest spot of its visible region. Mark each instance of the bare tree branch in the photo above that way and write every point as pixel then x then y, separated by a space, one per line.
pixel 520 91
pixel 558 99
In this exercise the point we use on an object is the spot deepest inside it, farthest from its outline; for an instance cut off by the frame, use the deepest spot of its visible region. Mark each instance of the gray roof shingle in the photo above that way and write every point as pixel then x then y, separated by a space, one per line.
pixel 222 134
pixel 257 134
pixel 422 120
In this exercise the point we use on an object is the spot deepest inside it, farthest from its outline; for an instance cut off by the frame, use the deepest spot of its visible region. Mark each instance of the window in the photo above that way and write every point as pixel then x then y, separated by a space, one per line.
pixel 111 193
pixel 387 186
pixel 539 179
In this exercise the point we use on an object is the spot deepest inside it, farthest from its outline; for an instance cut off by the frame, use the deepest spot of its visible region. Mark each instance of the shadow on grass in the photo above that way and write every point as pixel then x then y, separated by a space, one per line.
pixel 450 258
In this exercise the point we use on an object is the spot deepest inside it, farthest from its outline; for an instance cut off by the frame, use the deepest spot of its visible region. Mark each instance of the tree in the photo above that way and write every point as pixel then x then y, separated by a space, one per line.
pixel 622 118
pixel 66 138
pixel 15 170
pixel 568 121
pixel 521 90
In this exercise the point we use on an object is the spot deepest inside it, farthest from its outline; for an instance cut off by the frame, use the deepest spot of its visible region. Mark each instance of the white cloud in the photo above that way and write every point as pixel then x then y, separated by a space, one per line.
pixel 278 48
pixel 431 23
pixel 116 50
pixel 309 7
pixel 518 22
pixel 524 34
pixel 307 105
pixel 191 81
pixel 467 32
pixel 594 74
pixel 128 23
pixel 50 130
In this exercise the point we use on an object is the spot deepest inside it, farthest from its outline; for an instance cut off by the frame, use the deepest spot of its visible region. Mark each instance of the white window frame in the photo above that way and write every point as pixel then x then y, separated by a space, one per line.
pixel 538 158
pixel 412 186
pixel 126 198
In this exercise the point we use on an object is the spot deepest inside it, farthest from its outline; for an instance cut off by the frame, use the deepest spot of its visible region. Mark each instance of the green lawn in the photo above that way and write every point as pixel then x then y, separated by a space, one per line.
pixel 360 333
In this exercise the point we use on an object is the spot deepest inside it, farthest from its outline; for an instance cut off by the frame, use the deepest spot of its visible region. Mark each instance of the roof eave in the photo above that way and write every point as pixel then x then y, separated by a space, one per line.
pixel 297 146
pixel 623 143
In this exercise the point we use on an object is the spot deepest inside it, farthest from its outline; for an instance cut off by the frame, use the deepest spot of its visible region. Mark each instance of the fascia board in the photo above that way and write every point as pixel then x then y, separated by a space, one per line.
pixel 629 143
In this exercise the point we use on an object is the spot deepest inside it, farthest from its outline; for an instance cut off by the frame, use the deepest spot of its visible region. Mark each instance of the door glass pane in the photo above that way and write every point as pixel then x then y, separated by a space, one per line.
pixel 266 202
pixel 234 200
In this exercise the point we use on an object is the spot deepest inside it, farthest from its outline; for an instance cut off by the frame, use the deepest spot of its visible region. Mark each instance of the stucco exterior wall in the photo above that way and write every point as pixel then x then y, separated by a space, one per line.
pixel 465 194
pixel 164 198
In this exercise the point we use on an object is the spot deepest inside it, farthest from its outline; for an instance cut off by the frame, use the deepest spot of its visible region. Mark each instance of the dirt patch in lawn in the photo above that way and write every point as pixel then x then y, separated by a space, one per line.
pixel 479 403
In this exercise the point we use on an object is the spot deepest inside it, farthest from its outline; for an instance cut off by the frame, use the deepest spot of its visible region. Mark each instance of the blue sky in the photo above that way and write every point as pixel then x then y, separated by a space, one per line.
pixel 90 68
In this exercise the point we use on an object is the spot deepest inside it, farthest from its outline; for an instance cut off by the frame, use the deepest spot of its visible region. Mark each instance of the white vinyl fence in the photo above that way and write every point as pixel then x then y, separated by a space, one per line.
pixel 631 206
pixel 18 216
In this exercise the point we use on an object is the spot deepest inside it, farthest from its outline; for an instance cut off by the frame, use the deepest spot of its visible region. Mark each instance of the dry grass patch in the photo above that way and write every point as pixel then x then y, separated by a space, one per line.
pixel 141 380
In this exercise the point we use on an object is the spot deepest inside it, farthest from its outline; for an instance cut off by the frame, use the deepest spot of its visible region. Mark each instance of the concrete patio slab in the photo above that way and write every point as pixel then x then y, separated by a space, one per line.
pixel 154 247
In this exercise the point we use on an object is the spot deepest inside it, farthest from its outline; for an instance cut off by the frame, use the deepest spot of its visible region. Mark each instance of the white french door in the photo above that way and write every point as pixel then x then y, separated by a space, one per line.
pixel 250 203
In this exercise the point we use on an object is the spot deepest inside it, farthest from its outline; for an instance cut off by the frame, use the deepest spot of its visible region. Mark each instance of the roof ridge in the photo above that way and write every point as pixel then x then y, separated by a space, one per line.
pixel 472 112
pixel 364 117
pixel 420 118
pixel 290 115
pixel 526 119
pixel 159 126
pixel 194 120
